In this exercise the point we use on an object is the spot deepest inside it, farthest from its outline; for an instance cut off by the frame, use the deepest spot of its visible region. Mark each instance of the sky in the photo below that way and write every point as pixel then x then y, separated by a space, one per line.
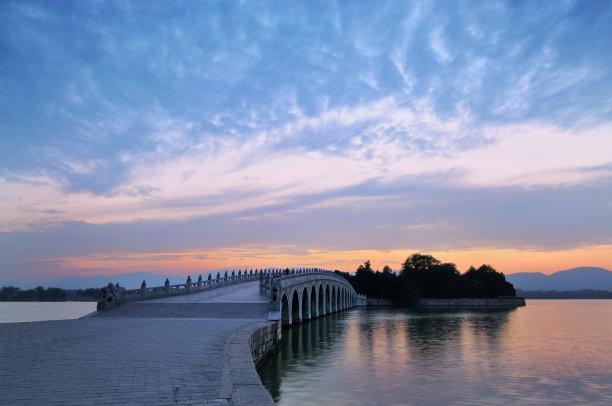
pixel 180 137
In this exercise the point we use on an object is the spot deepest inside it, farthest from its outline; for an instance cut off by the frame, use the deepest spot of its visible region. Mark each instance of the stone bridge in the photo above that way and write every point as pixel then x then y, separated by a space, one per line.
pixel 299 295
pixel 195 343
pixel 295 295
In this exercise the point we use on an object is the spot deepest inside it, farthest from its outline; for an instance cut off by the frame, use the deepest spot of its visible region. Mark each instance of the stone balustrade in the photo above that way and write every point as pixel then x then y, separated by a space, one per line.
pixel 288 277
pixel 272 282
pixel 114 294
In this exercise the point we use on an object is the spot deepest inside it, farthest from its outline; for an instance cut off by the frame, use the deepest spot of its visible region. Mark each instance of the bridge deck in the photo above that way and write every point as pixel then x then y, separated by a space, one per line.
pixel 159 352
pixel 247 292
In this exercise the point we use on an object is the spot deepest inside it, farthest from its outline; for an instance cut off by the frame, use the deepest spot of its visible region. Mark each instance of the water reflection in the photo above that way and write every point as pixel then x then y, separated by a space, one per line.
pixel 416 357
pixel 310 342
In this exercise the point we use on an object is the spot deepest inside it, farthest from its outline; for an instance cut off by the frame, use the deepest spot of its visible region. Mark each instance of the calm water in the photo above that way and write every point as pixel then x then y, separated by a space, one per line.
pixel 11 312
pixel 549 352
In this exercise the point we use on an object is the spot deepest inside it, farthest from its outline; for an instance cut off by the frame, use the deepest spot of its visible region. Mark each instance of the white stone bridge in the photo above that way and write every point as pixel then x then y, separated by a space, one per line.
pixel 298 295
pixel 195 343
pixel 294 295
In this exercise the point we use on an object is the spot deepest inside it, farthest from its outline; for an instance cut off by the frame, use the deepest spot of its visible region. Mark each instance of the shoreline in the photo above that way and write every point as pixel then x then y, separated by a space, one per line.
pixel 243 352
pixel 473 302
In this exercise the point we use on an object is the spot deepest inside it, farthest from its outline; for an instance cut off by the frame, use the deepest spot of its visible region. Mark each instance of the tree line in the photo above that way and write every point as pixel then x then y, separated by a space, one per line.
pixel 40 294
pixel 423 276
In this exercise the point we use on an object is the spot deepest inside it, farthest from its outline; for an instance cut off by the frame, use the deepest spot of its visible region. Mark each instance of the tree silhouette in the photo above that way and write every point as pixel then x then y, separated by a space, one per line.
pixel 423 276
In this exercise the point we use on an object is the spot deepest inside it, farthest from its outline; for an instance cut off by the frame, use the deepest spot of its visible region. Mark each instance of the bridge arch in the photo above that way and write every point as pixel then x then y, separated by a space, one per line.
pixel 295 308
pixel 306 294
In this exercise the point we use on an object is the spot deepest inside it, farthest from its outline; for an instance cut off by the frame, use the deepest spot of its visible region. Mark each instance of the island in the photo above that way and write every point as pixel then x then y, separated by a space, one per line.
pixel 426 281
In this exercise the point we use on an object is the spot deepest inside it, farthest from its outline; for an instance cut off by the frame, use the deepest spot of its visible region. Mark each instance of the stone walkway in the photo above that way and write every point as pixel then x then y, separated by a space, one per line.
pixel 122 358
pixel 246 292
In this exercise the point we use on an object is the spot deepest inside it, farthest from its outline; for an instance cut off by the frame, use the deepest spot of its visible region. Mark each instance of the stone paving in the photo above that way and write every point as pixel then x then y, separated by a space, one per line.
pixel 246 292
pixel 121 359
pixel 253 311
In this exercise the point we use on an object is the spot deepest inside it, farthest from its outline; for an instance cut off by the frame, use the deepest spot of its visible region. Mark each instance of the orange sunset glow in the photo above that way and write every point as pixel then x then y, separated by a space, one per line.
pixel 256 257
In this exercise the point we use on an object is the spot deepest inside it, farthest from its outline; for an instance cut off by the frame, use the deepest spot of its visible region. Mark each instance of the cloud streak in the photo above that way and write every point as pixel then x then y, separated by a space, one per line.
pixel 394 145
pixel 126 116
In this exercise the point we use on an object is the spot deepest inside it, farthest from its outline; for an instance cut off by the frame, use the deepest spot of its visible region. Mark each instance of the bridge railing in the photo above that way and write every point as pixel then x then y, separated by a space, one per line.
pixel 270 284
pixel 270 280
pixel 113 294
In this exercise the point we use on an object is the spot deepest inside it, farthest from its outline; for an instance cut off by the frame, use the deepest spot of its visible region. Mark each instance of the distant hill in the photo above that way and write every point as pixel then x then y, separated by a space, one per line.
pixel 565 294
pixel 582 278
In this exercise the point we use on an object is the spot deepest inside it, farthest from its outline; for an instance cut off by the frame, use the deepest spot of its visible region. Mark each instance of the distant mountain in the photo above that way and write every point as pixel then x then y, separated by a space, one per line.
pixel 128 281
pixel 572 279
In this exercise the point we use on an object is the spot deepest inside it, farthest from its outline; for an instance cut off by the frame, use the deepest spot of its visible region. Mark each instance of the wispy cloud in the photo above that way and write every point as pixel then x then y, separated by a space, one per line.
pixel 255 113
pixel 394 144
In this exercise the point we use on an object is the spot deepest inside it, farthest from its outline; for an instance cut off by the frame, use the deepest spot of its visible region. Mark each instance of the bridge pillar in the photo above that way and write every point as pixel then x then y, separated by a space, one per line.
pixel 314 305
pixel 285 309
pixel 305 305
pixel 321 300
pixel 334 299
pixel 344 299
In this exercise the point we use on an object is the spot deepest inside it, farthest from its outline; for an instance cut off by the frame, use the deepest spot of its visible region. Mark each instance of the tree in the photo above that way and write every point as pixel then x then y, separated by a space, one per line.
pixel 486 282
pixel 425 276
pixel 419 263
pixel 56 294
pixel 422 276
pixel 9 293
pixel 365 282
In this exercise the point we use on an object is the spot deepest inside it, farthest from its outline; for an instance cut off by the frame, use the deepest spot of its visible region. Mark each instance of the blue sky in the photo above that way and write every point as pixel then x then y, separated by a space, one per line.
pixel 132 129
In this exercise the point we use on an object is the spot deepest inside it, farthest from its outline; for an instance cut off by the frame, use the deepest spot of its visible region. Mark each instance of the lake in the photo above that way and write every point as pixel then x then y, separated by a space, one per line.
pixel 549 352
pixel 12 312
